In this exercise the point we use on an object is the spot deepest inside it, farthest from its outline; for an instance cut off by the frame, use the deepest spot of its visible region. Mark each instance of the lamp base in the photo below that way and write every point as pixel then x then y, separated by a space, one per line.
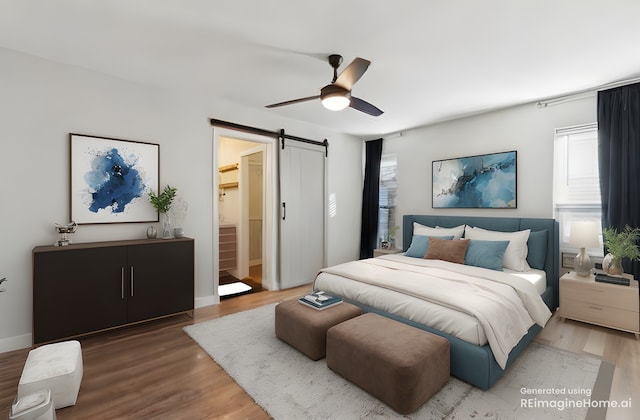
pixel 582 263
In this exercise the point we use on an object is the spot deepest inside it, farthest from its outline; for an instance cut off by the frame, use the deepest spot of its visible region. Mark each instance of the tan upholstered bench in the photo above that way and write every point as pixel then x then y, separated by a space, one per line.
pixel 401 365
pixel 306 328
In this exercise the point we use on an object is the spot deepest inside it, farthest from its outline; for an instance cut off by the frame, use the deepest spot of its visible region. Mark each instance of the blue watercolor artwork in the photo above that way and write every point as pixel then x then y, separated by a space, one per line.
pixel 114 182
pixel 111 180
pixel 484 181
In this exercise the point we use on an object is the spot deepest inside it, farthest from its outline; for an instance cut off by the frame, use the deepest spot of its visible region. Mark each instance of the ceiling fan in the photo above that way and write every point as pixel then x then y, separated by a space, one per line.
pixel 336 96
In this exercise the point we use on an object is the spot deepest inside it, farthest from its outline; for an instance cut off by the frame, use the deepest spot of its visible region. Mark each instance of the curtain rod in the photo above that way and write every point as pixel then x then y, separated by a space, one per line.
pixel 581 94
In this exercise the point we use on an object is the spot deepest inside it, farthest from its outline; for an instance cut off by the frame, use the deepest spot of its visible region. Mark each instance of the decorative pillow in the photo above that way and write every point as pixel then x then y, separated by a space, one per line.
pixel 515 256
pixel 537 245
pixel 419 245
pixel 447 250
pixel 486 254
pixel 423 230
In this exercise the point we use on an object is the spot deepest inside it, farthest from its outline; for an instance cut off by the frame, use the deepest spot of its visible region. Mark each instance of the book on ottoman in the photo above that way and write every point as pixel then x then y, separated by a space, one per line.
pixel 320 300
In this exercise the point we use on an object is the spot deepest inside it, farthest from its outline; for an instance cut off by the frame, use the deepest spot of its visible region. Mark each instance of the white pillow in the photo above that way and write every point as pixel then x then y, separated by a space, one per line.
pixel 423 230
pixel 515 256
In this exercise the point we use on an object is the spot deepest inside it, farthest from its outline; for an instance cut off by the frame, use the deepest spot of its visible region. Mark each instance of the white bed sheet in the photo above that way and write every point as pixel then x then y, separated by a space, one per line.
pixel 537 277
pixel 448 320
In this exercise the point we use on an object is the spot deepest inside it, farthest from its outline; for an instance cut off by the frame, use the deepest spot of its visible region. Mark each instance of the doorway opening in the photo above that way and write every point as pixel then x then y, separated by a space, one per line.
pixel 244 215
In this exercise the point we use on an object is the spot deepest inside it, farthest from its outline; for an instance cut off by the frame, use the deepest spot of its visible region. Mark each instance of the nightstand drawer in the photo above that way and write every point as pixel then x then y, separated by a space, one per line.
pixel 621 297
pixel 599 314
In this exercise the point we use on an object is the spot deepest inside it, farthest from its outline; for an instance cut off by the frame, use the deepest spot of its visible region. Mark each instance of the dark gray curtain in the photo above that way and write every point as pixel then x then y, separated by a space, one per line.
pixel 370 198
pixel 619 159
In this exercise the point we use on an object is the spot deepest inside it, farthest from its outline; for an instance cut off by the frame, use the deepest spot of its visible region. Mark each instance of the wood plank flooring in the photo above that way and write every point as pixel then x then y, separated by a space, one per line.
pixel 155 371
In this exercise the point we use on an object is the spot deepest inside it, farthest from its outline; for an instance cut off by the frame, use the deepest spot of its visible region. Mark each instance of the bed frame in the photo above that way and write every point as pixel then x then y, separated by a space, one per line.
pixel 472 363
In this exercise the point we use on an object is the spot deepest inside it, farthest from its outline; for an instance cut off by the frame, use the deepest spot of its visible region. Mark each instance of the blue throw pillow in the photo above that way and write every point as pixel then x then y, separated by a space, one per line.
pixel 537 245
pixel 419 245
pixel 486 254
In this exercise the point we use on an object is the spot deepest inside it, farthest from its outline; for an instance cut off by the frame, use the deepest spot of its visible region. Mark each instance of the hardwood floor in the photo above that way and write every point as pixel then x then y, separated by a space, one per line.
pixel 154 370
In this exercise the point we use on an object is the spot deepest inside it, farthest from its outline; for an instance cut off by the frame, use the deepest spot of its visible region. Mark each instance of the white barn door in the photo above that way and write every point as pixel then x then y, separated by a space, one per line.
pixel 302 212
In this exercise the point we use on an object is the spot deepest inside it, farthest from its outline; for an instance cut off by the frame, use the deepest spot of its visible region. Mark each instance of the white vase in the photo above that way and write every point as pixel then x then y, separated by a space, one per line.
pixel 167 233
pixel 612 265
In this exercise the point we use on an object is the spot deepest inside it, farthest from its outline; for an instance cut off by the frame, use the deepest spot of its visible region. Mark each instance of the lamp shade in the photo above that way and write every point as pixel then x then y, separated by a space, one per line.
pixel 336 102
pixel 584 234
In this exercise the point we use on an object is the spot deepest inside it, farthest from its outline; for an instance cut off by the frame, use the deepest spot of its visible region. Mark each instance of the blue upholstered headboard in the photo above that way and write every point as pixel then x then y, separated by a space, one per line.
pixel 504 224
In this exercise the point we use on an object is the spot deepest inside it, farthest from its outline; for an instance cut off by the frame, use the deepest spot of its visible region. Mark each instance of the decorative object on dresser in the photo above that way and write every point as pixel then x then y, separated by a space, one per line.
pixel 600 303
pixel 152 232
pixel 162 202
pixel 619 245
pixel 110 179
pixel 584 234
pixel 90 287
pixel 64 231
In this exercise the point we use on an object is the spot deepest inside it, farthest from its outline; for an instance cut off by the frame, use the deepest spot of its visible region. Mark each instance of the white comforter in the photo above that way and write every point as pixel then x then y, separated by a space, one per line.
pixel 506 306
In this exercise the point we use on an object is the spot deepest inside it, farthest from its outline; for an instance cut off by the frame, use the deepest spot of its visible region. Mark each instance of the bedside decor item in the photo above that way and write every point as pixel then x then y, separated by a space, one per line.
pixel 64 231
pixel 389 241
pixel 162 202
pixel 2 280
pixel 584 234
pixel 109 178
pixel 619 245
pixel 482 181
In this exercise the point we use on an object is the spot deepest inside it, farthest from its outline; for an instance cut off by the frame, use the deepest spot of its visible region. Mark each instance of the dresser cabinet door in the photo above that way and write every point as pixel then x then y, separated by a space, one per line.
pixel 161 279
pixel 78 291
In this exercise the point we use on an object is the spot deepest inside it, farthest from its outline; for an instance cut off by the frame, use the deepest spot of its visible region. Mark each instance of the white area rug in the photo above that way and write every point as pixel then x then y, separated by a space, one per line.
pixel 288 385
pixel 234 288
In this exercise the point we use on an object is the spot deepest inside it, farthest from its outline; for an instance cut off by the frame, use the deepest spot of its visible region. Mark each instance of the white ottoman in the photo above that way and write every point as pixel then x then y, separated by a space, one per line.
pixel 57 367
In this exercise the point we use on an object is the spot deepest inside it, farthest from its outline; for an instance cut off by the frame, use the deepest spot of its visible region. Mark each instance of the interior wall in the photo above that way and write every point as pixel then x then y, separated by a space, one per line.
pixel 527 129
pixel 42 102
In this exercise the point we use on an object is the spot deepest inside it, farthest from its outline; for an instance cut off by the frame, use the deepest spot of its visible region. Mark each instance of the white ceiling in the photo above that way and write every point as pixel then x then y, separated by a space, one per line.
pixel 431 60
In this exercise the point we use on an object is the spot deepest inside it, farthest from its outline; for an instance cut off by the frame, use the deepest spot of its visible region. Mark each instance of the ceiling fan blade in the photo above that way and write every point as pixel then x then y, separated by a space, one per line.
pixel 364 106
pixel 352 73
pixel 293 101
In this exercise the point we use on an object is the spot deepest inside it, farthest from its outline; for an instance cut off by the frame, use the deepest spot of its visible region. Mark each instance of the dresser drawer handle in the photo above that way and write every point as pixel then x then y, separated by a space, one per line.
pixel 595 307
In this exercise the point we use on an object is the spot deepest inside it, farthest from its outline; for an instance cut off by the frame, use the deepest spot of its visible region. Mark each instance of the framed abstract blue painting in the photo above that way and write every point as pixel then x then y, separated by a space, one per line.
pixel 482 181
pixel 111 180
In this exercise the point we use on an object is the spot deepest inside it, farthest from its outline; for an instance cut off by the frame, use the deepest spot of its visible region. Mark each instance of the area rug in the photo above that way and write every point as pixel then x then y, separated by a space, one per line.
pixel 544 383
pixel 233 289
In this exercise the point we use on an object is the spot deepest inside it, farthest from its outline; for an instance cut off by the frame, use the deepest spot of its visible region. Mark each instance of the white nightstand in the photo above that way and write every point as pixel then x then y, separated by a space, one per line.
pixel 379 252
pixel 608 305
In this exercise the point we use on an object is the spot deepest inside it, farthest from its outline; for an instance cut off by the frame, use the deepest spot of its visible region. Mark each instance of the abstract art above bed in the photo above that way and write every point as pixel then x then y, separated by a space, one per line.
pixel 481 181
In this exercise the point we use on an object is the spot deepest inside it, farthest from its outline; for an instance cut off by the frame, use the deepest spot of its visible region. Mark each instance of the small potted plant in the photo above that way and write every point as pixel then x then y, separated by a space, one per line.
pixel 2 280
pixel 162 203
pixel 620 245
pixel 388 242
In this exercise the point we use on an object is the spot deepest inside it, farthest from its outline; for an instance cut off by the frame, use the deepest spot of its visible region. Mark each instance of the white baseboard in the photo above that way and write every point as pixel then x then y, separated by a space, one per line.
pixel 200 302
pixel 15 343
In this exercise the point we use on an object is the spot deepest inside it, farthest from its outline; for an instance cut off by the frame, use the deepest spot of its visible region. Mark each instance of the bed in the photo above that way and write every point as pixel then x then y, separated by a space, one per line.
pixel 485 336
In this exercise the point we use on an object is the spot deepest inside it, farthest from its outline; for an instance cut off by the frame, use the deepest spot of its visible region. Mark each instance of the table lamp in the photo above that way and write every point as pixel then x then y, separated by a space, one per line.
pixel 584 234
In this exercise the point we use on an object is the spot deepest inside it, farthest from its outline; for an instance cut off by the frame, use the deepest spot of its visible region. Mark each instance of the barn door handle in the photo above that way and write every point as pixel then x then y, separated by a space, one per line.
pixel 284 211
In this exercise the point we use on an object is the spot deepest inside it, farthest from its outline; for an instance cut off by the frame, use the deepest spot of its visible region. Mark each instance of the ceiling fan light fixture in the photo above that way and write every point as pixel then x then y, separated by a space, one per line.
pixel 336 101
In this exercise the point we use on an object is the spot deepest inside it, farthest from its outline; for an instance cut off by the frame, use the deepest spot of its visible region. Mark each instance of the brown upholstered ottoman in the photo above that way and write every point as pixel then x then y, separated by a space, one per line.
pixel 306 328
pixel 399 364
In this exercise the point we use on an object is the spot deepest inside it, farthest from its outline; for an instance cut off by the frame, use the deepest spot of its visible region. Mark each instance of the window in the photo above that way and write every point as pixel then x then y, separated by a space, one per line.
pixel 576 180
pixel 387 200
